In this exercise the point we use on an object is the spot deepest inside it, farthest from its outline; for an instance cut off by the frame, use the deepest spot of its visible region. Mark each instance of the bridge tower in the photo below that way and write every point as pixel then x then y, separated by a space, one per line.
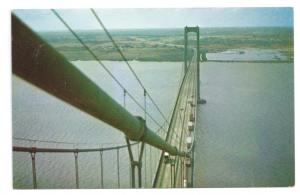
pixel 186 31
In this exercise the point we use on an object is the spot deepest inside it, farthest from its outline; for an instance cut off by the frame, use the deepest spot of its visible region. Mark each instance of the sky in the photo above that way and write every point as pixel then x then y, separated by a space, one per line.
pixel 45 20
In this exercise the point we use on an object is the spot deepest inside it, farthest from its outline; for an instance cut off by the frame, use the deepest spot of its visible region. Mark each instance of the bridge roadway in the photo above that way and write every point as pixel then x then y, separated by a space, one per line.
pixel 185 105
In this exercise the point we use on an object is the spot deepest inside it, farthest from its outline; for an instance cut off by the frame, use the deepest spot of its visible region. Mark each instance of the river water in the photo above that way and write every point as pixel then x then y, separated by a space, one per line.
pixel 245 133
pixel 37 115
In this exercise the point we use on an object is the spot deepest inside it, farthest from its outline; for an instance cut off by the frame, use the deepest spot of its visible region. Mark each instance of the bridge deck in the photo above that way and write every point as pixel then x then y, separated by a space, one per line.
pixel 245 132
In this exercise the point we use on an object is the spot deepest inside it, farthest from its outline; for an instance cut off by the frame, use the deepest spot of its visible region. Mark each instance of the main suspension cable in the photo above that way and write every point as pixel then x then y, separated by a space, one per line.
pixel 126 61
pixel 105 68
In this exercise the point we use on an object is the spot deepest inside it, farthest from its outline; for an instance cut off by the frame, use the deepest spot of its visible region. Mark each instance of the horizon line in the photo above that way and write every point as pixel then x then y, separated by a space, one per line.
pixel 173 28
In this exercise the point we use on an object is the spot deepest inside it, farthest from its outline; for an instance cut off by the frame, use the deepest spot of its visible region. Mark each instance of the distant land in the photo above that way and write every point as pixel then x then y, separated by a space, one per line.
pixel 167 44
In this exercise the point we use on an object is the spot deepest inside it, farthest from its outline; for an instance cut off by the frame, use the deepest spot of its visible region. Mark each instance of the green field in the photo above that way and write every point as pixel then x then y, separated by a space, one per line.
pixel 167 44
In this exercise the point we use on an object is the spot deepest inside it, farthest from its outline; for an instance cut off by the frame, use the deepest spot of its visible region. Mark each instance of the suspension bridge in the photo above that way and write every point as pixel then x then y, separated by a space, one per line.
pixel 158 158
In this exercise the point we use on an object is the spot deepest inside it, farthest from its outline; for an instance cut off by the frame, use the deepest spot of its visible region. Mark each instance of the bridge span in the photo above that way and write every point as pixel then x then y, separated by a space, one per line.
pixel 171 164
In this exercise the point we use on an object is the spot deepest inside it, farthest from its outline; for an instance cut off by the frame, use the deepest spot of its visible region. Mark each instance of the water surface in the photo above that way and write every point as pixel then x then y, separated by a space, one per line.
pixel 245 134
pixel 38 115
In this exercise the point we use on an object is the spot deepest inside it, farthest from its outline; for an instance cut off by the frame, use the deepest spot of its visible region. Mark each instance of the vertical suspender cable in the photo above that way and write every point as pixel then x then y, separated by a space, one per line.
pixel 34 181
pixel 76 169
pixel 145 155
pixel 150 148
pixel 101 161
pixel 118 167
pixel 124 98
